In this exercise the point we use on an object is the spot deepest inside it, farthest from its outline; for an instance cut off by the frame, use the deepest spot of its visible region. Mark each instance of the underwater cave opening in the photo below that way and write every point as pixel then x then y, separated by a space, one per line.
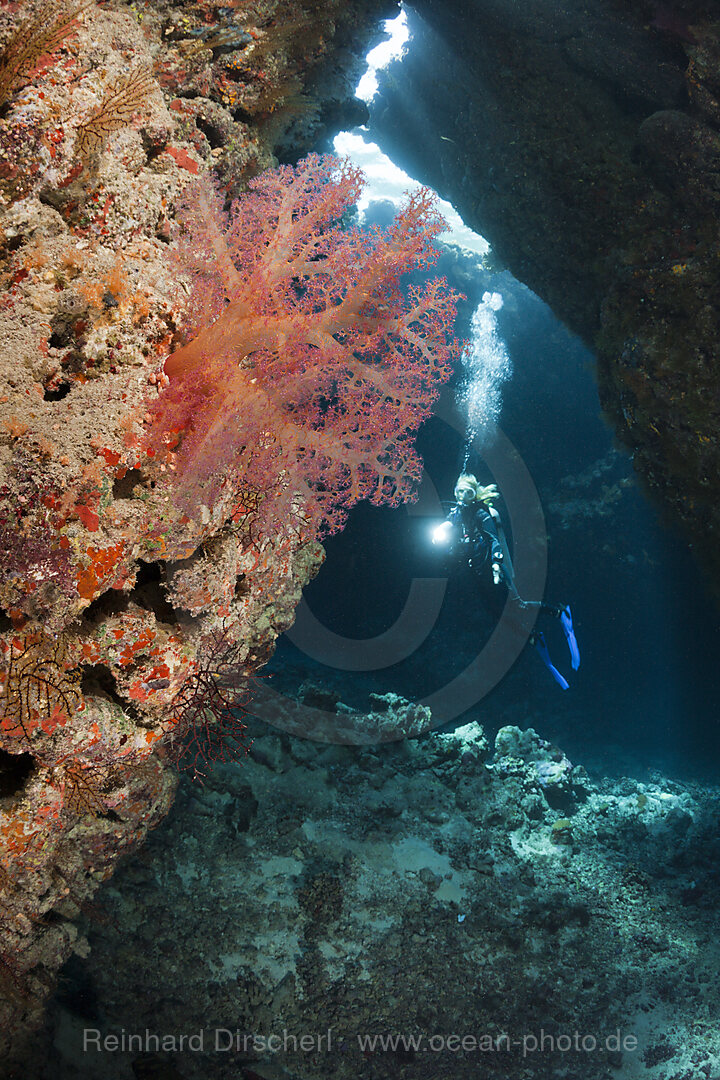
pixel 647 686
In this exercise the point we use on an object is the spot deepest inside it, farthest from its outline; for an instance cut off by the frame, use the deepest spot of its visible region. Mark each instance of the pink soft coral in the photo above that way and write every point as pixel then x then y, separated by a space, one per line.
pixel 306 372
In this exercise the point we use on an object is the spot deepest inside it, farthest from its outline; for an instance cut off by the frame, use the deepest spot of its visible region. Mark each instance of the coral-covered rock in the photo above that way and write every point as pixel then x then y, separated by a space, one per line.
pixel 119 633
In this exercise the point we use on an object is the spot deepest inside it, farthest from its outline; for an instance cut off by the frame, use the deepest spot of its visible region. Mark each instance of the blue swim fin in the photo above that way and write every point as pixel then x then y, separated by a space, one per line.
pixel 538 641
pixel 567 625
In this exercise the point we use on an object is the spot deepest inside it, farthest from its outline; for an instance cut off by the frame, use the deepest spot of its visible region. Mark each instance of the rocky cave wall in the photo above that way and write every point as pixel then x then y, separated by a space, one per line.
pixel 582 140
pixel 120 614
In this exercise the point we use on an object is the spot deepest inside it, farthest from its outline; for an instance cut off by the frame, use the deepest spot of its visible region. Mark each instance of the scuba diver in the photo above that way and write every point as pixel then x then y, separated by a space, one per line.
pixel 474 529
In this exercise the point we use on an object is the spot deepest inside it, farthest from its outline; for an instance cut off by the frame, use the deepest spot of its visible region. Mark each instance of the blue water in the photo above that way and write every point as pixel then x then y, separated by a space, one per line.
pixel 644 696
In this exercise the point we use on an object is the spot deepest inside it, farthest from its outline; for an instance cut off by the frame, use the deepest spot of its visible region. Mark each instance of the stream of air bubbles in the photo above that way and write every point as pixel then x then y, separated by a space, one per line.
pixel 487 366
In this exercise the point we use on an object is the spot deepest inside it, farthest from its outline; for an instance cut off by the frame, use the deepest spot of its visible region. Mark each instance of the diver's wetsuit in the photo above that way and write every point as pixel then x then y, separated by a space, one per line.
pixel 477 535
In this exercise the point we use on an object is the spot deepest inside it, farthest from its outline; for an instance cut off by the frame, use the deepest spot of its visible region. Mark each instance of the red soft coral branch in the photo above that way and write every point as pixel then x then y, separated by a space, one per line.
pixel 306 372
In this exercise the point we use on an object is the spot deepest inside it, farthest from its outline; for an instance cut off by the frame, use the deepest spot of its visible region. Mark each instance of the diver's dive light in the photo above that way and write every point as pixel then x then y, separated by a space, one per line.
pixel 441 533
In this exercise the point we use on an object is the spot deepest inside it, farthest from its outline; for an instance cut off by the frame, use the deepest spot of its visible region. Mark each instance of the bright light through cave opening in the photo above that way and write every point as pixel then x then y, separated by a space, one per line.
pixel 382 54
pixel 386 182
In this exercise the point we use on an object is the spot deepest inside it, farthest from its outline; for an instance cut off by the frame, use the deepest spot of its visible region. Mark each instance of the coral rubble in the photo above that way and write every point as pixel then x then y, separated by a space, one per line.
pixel 415 890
